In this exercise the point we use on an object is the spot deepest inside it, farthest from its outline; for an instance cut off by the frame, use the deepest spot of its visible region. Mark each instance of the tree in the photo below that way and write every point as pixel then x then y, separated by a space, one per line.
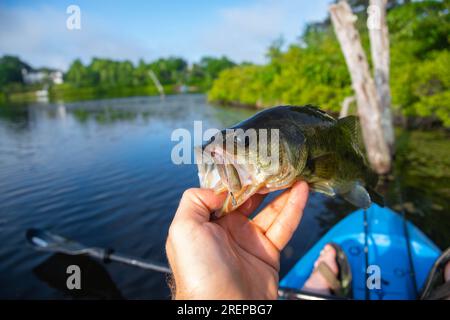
pixel 140 73
pixel 76 74
pixel 203 73
pixel 369 105
pixel 169 70
pixel 11 70
pixel 314 70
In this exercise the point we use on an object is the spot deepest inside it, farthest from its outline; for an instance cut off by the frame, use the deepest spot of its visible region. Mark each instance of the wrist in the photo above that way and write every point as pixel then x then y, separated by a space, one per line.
pixel 178 290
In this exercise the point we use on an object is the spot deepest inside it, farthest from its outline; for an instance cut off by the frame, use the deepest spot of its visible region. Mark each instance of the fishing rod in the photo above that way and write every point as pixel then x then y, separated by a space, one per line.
pixel 43 240
pixel 366 252
pixel 412 271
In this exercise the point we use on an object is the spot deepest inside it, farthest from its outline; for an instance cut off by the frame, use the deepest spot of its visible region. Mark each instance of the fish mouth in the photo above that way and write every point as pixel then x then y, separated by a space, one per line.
pixel 240 170
pixel 220 171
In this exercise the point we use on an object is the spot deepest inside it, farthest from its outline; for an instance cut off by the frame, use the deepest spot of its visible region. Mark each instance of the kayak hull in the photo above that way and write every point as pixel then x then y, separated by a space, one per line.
pixel 389 270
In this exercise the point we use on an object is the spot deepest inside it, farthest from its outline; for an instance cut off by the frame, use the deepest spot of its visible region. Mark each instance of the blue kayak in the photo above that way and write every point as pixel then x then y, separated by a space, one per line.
pixel 376 236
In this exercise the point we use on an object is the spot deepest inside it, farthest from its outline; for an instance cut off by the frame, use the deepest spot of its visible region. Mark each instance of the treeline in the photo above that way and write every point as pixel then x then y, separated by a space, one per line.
pixel 106 77
pixel 314 71
pixel 169 71
pixel 11 77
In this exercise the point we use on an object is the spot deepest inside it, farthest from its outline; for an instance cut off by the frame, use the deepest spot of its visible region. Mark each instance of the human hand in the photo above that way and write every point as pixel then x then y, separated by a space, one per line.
pixel 232 257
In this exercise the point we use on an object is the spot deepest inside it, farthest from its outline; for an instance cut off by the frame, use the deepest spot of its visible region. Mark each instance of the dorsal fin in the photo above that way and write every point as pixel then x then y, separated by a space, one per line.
pixel 350 125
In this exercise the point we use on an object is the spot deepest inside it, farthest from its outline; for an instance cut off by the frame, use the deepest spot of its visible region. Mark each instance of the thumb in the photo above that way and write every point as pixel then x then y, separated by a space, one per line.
pixel 197 205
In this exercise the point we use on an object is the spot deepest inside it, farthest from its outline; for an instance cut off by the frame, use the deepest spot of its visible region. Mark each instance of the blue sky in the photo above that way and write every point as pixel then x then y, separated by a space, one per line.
pixel 36 30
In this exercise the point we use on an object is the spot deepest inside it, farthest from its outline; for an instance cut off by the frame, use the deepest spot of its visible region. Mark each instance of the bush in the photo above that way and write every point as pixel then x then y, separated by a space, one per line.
pixel 315 72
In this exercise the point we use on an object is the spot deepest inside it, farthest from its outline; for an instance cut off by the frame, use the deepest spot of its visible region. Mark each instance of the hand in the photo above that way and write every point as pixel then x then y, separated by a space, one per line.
pixel 233 257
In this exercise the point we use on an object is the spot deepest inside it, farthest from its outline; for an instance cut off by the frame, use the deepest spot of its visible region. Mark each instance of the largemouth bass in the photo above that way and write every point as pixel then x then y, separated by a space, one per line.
pixel 292 143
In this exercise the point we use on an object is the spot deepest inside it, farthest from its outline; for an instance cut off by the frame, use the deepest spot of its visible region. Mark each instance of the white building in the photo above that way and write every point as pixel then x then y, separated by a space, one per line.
pixel 57 77
pixel 38 76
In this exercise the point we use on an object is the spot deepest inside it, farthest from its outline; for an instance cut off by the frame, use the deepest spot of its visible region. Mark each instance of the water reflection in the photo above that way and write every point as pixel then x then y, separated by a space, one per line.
pixel 95 282
pixel 422 182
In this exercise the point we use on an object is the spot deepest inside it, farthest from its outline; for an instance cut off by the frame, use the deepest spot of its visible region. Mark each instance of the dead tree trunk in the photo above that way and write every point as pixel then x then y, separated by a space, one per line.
pixel 379 44
pixel 369 109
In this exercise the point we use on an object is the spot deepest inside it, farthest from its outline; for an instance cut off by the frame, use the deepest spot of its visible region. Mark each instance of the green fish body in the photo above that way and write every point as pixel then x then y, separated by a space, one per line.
pixel 312 146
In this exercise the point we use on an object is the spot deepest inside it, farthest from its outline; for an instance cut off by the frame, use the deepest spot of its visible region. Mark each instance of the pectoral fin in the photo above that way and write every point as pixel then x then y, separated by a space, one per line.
pixel 358 196
pixel 323 187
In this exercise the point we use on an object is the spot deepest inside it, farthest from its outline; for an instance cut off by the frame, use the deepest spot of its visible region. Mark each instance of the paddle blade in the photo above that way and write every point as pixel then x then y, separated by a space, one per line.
pixel 47 241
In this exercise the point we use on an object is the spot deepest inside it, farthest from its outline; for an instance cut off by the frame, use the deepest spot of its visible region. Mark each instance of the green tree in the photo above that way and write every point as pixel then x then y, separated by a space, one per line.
pixel 77 74
pixel 11 70
pixel 202 74
pixel 314 70
pixel 140 73
pixel 170 70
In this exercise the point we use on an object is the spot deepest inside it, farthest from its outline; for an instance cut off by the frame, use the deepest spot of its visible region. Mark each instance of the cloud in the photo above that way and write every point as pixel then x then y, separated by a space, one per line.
pixel 40 37
pixel 244 32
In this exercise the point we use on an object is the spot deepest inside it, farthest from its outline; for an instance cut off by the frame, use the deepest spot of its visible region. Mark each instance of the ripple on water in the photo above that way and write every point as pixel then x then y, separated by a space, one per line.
pixel 107 181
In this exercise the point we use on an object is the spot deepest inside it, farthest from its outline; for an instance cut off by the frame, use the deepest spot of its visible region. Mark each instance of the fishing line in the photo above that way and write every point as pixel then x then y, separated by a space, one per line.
pixel 366 252
pixel 412 272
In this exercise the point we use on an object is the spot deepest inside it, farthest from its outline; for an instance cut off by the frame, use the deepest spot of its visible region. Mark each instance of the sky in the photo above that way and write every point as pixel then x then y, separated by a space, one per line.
pixel 36 31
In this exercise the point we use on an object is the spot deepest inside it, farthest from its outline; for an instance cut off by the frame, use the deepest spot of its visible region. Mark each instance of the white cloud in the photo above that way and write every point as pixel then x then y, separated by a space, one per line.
pixel 244 32
pixel 41 38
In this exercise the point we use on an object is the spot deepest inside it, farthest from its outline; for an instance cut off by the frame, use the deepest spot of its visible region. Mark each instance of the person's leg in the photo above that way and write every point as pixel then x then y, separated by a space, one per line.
pixel 447 272
pixel 316 282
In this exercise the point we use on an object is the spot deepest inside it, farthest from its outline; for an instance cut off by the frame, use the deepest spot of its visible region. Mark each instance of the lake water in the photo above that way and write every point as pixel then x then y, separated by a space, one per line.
pixel 100 172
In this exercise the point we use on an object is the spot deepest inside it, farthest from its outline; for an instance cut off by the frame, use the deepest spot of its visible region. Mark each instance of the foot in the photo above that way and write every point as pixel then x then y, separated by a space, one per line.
pixel 447 272
pixel 316 283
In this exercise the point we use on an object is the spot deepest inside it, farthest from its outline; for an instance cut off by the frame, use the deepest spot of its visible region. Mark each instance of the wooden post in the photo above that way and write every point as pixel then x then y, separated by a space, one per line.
pixel 369 109
pixel 379 44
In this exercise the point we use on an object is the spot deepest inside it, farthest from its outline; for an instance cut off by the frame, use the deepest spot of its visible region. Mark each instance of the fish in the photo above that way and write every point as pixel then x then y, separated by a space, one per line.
pixel 305 144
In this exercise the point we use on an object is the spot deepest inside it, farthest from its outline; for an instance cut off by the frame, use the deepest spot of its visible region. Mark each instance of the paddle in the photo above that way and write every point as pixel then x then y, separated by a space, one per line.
pixel 47 241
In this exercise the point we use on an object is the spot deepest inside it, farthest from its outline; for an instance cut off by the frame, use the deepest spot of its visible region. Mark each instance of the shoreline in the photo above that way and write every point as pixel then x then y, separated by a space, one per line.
pixel 91 93
pixel 72 94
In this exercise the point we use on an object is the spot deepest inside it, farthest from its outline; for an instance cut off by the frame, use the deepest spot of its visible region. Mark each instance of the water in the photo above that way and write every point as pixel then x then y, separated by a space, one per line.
pixel 101 172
